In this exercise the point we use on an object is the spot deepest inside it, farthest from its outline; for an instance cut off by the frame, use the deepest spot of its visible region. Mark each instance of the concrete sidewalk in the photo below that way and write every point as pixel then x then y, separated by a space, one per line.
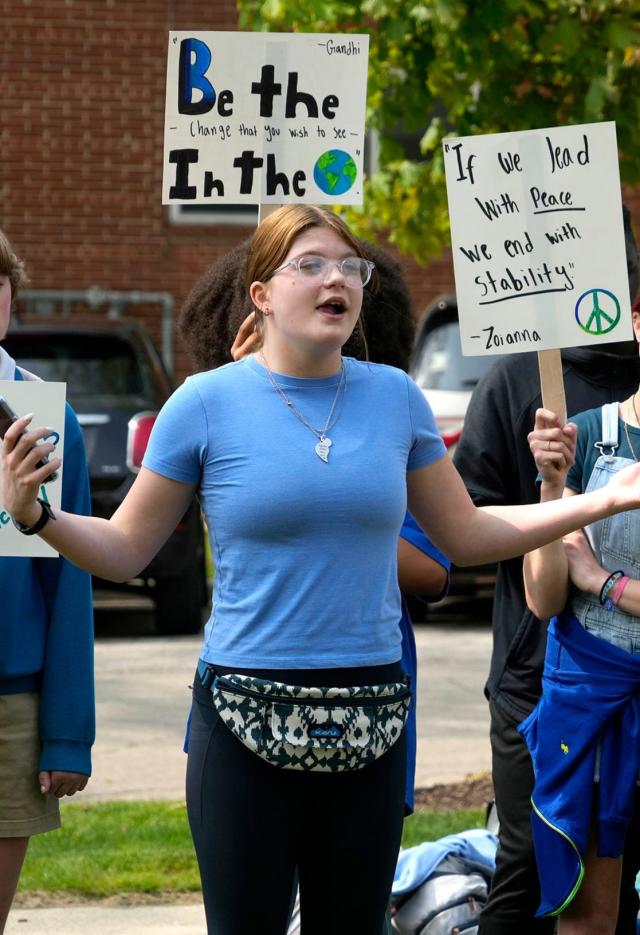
pixel 100 920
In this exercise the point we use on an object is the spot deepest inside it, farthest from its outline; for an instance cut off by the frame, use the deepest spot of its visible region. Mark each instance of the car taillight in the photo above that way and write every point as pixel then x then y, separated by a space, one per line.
pixel 140 427
pixel 450 429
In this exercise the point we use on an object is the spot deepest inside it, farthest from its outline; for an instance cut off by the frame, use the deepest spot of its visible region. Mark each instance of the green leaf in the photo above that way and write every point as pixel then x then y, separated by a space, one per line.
pixel 432 137
pixel 564 38
pixel 273 9
pixel 620 35
pixel 595 100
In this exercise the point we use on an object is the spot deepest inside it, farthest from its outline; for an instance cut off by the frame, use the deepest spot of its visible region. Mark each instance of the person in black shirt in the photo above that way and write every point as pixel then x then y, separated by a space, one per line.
pixel 495 462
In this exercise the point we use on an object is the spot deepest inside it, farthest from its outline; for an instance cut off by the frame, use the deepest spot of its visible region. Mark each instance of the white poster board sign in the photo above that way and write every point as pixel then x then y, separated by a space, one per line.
pixel 269 118
pixel 47 401
pixel 538 239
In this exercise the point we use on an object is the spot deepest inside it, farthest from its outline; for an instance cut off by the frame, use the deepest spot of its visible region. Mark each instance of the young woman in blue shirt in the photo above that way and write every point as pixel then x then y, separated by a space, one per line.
pixel 218 310
pixel 218 326
pixel 303 462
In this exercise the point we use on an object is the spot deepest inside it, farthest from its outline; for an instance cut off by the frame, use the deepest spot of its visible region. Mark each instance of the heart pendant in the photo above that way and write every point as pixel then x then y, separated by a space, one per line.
pixel 322 449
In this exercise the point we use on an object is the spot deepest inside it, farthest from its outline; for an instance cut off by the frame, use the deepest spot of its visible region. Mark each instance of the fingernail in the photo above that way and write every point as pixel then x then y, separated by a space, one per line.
pixel 29 416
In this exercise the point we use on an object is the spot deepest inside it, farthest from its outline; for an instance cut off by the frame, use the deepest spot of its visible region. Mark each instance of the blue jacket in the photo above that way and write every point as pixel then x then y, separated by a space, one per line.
pixel 590 692
pixel 46 630
pixel 416 864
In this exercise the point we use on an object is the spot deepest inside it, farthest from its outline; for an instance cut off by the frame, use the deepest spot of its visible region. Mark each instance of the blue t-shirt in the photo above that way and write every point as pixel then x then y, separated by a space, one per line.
pixel 305 552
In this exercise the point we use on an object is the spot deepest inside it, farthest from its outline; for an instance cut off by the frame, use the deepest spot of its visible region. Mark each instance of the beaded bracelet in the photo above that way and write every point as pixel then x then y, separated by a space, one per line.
pixel 619 587
pixel 605 600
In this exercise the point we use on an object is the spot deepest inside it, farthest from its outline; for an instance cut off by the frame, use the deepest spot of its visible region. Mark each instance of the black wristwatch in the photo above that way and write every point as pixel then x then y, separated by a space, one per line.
pixel 45 516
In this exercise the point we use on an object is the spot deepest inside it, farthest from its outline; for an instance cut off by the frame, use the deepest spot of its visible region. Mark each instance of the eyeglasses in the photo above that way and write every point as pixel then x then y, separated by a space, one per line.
pixel 355 269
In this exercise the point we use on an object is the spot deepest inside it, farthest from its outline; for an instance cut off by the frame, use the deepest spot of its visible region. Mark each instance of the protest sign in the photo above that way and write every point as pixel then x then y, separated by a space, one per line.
pixel 47 401
pixel 264 118
pixel 538 240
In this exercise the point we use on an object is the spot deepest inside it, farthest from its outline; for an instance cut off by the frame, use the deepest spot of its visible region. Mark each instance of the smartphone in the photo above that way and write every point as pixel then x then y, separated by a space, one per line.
pixel 7 418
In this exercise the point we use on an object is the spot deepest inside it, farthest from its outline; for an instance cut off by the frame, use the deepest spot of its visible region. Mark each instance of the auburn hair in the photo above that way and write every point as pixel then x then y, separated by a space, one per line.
pixel 275 235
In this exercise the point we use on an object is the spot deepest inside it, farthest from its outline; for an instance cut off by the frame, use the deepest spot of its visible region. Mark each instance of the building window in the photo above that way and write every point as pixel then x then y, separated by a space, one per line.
pixel 214 214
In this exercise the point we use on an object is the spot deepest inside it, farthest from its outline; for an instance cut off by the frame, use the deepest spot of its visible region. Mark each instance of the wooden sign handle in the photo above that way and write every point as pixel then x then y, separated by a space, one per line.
pixel 551 383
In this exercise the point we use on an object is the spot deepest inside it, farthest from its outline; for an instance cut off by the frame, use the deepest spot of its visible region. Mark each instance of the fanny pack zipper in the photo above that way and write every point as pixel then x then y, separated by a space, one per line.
pixel 220 682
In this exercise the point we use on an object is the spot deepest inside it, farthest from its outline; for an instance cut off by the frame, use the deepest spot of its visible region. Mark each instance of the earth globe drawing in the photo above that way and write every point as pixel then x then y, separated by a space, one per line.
pixel 335 172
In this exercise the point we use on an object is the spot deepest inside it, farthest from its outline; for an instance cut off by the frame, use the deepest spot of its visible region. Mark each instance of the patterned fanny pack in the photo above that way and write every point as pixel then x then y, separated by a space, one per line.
pixel 324 729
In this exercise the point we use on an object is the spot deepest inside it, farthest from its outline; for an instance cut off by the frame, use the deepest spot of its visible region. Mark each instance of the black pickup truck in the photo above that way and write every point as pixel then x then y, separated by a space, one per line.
pixel 116 383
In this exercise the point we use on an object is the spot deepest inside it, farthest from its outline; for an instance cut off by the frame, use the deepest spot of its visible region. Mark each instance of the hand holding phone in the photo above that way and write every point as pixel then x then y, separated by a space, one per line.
pixel 7 418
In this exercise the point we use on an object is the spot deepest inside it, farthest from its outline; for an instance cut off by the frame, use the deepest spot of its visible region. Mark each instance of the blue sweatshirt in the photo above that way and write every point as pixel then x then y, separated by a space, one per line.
pixel 46 630
pixel 414 534
pixel 590 693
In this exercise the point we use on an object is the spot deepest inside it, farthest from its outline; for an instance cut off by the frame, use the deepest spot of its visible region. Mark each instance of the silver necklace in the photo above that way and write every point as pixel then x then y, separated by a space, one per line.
pixel 324 443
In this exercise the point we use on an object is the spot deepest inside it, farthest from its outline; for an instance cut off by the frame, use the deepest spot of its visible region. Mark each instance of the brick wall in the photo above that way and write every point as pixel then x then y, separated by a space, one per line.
pixel 82 88
pixel 83 84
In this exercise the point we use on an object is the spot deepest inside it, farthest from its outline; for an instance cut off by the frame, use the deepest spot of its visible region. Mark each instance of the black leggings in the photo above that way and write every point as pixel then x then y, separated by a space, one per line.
pixel 253 824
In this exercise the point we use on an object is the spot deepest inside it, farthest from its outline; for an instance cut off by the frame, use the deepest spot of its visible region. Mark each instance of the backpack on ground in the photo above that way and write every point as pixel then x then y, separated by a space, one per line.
pixel 441 887
pixel 449 901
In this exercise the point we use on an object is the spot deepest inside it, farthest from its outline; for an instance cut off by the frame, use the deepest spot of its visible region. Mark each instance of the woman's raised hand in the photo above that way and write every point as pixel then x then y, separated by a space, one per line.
pixel 21 479
pixel 553 447
pixel 247 340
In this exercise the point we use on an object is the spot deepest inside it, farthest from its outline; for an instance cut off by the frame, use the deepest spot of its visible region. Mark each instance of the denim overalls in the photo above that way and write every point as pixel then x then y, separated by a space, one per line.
pixel 615 542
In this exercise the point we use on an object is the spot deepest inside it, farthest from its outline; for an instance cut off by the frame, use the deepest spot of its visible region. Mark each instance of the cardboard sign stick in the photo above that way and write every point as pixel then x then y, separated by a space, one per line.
pixel 551 383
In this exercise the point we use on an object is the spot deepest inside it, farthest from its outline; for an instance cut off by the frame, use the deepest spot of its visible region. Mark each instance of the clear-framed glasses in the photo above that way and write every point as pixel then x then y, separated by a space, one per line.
pixel 355 270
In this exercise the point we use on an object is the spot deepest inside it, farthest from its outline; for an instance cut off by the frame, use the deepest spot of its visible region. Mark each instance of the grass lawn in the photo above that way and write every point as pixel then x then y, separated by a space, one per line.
pixel 116 848
pixel 426 824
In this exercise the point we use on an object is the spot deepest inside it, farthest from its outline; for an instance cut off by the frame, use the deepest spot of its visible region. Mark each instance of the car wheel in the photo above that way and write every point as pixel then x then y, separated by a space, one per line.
pixel 179 602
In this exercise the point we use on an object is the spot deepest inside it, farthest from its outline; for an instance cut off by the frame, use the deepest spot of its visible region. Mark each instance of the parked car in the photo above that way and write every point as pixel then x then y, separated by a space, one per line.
pixel 116 383
pixel 447 379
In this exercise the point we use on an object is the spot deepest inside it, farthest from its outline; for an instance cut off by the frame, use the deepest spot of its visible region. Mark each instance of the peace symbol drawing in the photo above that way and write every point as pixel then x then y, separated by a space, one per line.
pixel 597 311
